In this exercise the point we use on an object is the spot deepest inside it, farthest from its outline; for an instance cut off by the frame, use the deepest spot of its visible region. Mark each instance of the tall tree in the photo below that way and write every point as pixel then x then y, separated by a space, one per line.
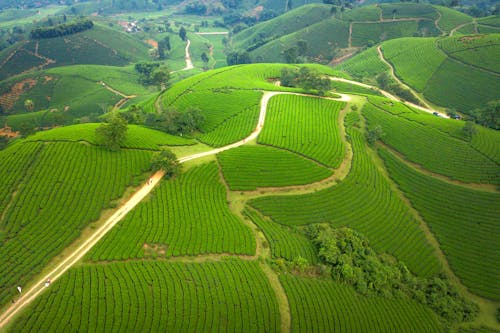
pixel 167 161
pixel 182 34
pixel 113 133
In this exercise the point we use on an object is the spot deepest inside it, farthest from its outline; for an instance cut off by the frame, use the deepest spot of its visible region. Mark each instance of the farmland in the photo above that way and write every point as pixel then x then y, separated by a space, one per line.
pixel 290 127
pixel 248 168
pixel 211 297
pixel 464 221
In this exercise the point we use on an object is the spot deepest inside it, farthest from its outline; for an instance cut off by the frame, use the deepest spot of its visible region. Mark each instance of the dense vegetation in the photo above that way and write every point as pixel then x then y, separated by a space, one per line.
pixel 61 30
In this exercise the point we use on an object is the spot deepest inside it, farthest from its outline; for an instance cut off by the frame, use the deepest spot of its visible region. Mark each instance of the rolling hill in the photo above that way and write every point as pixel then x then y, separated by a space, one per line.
pixel 234 243
pixel 331 33
pixel 459 72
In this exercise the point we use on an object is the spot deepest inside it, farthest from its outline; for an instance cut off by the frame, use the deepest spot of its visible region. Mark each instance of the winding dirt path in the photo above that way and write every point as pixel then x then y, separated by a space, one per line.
pixel 71 259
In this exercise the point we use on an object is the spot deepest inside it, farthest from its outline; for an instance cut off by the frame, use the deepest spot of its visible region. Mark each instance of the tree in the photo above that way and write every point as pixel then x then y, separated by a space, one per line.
pixel 164 47
pixel 489 116
pixel 301 47
pixel 182 34
pixel 166 161
pixel 469 130
pixel 160 77
pixel 205 59
pixel 291 54
pixel 374 134
pixel 236 58
pixel 113 133
pixel 29 105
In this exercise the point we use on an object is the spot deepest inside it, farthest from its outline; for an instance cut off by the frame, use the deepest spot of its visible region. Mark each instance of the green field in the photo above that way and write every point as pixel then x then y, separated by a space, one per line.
pixel 463 220
pixel 61 188
pixel 289 125
pixel 363 201
pixel 366 64
pixel 184 216
pixel 433 149
pixel 318 305
pixel 232 296
pixel 250 167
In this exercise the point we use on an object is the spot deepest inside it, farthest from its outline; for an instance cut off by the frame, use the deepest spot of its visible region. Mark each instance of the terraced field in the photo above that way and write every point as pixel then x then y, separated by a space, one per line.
pixel 185 216
pixel 289 125
pixel 325 306
pixel 62 188
pixel 433 149
pixel 363 201
pixel 250 167
pixel 464 221
pixel 149 296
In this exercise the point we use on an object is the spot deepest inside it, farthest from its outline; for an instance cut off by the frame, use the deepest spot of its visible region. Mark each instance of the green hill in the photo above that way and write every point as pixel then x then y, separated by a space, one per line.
pixel 331 32
pixel 99 45
pixel 247 239
pixel 459 72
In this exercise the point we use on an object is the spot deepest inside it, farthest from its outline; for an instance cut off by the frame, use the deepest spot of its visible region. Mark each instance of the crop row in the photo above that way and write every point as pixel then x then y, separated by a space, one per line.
pixel 416 10
pixel 318 305
pixel 65 186
pixel 363 201
pixel 433 149
pixel 285 242
pixel 465 222
pixel 365 64
pixel 185 216
pixel 363 33
pixel 416 62
pixel 451 18
pixel 249 167
pixel 305 125
pixel 228 296
pixel 234 128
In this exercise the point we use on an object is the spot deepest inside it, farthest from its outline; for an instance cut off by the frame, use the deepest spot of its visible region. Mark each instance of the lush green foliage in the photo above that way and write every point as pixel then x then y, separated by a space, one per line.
pixel 318 305
pixel 149 296
pixel 285 242
pixel 60 189
pixel 61 29
pixel 464 221
pixel 363 201
pixel 250 167
pixel 137 137
pixel 487 141
pixel 351 259
pixel 305 78
pixel 366 64
pixel 405 10
pixel 185 216
pixel 113 133
pixel 166 161
pixel 305 125
pixel 433 149
pixel 451 18
pixel 363 33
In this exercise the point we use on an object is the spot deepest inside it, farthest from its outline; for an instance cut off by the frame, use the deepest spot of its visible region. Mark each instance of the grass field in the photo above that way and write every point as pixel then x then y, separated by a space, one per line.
pixel 318 305
pixel 153 296
pixel 184 216
pixel 250 167
pixel 363 201
pixel 364 65
pixel 464 221
pixel 289 125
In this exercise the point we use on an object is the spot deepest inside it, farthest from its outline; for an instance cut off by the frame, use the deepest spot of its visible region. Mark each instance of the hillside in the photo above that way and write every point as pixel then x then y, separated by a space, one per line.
pixel 459 72
pixel 244 238
pixel 331 32
pixel 99 45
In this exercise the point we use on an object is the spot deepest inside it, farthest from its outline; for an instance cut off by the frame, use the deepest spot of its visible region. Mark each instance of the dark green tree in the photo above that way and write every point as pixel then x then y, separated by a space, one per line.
pixel 166 161
pixel 113 132
pixel 183 34
pixel 374 134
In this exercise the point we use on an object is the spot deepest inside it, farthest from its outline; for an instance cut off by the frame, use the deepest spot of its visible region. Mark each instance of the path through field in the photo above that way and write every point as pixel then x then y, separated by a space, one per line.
pixel 71 259
pixel 122 101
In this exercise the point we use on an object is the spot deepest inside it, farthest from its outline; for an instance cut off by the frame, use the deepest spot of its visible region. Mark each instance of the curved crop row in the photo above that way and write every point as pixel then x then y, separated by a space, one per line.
pixel 327 306
pixel 305 125
pixel 433 149
pixel 185 216
pixel 65 187
pixel 465 222
pixel 249 167
pixel 363 201
pixel 228 296
pixel 285 242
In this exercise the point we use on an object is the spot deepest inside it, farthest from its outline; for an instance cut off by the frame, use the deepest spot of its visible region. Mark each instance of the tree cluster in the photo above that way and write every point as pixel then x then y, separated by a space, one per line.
pixel 240 57
pixel 167 161
pixel 169 120
pixel 305 78
pixel 164 47
pixel 153 73
pixel 61 29
pixel 488 116
pixel 385 82
pixel 350 259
